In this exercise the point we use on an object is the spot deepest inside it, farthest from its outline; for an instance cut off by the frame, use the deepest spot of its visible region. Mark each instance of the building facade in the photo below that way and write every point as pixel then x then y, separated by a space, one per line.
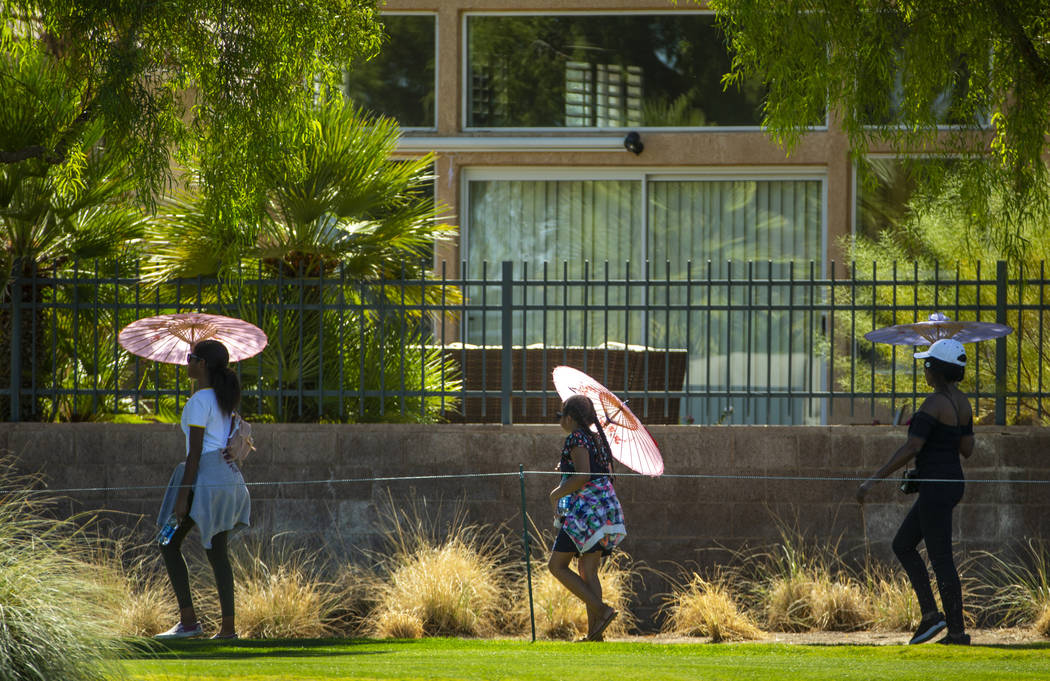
pixel 600 131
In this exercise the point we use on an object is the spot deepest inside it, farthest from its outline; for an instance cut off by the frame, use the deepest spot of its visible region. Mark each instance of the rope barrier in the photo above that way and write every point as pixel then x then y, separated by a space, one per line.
pixel 451 476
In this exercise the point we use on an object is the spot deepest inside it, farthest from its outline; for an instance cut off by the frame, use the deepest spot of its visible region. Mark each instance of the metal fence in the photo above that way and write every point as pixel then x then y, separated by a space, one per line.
pixel 755 342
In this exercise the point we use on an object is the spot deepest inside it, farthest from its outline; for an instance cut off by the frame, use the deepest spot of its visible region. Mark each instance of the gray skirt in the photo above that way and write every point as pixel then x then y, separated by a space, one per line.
pixel 220 497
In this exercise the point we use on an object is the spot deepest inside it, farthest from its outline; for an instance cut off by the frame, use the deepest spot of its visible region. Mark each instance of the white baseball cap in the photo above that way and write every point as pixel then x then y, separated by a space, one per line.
pixel 946 350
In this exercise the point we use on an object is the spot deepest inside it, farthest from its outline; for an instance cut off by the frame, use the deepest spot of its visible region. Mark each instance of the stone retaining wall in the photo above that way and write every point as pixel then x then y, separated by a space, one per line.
pixel 670 519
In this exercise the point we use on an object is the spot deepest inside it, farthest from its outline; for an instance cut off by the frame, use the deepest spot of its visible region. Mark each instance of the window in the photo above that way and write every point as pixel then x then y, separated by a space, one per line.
pixel 602 71
pixel 733 334
pixel 886 95
pixel 399 82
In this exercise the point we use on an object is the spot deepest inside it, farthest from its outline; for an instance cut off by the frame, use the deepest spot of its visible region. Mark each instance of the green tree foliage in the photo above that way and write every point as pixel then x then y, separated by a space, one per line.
pixel 50 221
pixel 341 218
pixel 211 78
pixel 973 63
pixel 936 244
pixel 334 199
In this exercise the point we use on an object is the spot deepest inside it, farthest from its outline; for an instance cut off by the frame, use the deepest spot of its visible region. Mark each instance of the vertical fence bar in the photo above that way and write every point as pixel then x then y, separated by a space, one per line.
pixel 34 314
pixel 1039 353
pixel 54 342
pixel 1000 343
pixel 525 340
pixel 1019 326
pixel 770 295
pixel 749 343
pixel 506 338
pixel 16 346
pixel 404 332
pixel 484 339
pixel 443 337
pixel 528 551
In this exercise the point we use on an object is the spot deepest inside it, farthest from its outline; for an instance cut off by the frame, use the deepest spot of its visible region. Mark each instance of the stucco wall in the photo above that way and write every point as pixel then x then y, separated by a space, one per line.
pixel 669 519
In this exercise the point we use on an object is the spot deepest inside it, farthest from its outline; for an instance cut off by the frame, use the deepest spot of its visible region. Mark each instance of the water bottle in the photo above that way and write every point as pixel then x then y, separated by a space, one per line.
pixel 563 506
pixel 168 531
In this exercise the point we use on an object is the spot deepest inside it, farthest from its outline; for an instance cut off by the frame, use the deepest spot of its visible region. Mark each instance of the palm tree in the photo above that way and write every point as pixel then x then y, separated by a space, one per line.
pixel 338 209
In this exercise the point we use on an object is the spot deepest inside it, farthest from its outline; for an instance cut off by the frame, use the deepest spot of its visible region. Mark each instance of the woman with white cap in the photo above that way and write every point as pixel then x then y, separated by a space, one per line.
pixel 939 433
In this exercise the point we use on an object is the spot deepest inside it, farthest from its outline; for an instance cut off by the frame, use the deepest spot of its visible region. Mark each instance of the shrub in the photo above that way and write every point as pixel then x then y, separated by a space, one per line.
pixel 1042 623
pixel 838 604
pixel 893 604
pixel 57 608
pixel 804 585
pixel 1020 587
pixel 703 608
pixel 394 624
pixel 279 592
pixel 788 607
pixel 147 603
pixel 449 575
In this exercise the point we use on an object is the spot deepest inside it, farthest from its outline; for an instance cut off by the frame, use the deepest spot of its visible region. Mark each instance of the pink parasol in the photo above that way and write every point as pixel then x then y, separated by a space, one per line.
pixel 631 443
pixel 170 337
pixel 937 327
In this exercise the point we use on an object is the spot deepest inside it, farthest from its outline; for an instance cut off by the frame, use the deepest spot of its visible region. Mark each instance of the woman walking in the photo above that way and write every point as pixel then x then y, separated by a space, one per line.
pixel 207 490
pixel 939 433
pixel 591 520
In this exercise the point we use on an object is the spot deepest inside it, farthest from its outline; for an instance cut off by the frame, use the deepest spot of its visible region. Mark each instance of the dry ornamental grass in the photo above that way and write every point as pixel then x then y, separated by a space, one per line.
pixel 447 574
pixel 705 608
pixel 279 592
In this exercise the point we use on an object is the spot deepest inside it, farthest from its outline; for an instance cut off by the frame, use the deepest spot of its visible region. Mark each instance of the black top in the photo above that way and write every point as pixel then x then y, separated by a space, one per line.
pixel 939 456
pixel 596 453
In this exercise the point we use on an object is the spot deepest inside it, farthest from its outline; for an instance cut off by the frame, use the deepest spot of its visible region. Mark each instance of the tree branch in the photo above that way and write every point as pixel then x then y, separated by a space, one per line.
pixel 24 154
pixel 1025 47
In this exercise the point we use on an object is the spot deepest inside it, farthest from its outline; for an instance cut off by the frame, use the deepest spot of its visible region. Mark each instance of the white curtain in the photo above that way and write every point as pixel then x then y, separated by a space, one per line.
pixel 752 232
pixel 774 224
pixel 537 222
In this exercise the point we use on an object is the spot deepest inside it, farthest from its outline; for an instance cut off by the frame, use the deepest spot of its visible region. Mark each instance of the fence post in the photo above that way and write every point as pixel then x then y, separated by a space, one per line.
pixel 506 340
pixel 1000 343
pixel 16 347
pixel 528 549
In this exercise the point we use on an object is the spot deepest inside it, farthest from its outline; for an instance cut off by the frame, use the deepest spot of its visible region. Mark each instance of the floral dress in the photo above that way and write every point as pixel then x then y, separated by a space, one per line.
pixel 594 517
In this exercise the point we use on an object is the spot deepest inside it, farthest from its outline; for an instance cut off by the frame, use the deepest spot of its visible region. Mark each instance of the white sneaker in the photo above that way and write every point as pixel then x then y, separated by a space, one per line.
pixel 180 631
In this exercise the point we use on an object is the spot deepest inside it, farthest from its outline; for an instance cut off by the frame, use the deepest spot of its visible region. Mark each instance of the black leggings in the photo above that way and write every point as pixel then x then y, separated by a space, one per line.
pixel 930 520
pixel 179 576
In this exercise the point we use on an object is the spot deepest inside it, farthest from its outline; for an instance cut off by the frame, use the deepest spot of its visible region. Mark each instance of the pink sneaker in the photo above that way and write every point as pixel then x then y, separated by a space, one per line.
pixel 181 631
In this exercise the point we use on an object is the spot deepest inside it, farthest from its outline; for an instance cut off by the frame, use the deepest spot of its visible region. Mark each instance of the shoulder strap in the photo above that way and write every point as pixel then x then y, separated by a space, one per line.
pixel 958 421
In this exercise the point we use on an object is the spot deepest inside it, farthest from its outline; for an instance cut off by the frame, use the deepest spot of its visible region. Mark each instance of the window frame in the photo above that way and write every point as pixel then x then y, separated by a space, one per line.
pixel 465 79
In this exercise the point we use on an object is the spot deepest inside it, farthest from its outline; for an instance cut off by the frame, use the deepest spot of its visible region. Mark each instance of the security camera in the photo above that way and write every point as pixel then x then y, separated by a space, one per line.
pixel 633 143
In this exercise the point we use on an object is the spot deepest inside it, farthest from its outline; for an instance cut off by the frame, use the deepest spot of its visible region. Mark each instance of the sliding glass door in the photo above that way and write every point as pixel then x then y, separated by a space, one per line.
pixel 695 262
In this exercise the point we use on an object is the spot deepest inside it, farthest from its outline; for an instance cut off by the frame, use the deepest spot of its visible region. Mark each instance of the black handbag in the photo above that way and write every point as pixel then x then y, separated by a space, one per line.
pixel 910 481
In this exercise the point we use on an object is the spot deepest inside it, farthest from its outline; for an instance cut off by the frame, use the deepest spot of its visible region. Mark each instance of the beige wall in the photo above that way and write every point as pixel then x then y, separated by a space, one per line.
pixel 671 520
pixel 825 151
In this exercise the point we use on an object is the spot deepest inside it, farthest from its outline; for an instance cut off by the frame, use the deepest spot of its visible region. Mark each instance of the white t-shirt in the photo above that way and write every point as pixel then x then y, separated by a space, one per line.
pixel 202 410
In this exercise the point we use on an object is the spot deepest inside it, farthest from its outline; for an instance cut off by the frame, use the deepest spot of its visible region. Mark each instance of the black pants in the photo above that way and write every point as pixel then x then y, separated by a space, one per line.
pixel 220 564
pixel 930 520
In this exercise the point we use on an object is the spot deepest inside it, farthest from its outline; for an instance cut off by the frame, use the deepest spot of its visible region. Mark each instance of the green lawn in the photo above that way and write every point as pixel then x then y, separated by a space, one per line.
pixel 487 660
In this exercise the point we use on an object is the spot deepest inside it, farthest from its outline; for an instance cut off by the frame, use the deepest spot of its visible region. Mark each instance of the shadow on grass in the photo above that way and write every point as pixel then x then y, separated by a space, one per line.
pixel 1018 646
pixel 206 649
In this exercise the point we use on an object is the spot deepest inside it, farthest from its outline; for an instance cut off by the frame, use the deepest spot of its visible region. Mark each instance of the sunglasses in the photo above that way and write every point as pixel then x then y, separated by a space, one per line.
pixel 559 414
pixel 191 357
